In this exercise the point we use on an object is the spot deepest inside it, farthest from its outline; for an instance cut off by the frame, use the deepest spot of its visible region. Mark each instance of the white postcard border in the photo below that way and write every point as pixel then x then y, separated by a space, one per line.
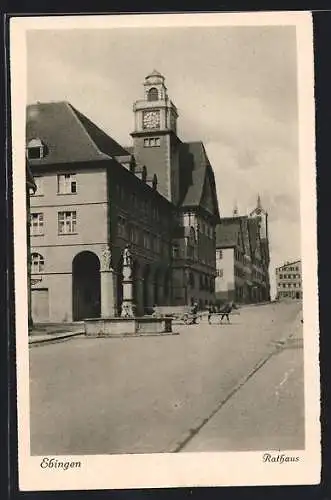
pixel 183 469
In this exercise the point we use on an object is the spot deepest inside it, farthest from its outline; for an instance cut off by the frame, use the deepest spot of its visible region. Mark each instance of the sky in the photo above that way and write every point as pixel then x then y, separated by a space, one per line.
pixel 235 89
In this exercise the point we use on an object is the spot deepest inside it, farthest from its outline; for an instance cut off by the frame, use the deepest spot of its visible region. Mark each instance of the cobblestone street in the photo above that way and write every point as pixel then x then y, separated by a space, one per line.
pixel 211 388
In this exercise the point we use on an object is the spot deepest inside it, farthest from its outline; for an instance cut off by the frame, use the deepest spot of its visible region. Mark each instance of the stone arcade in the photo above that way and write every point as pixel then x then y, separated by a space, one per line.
pixel 127 323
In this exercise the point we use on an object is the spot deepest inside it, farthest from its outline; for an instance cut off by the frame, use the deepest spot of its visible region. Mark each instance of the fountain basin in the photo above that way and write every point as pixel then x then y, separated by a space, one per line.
pixel 132 327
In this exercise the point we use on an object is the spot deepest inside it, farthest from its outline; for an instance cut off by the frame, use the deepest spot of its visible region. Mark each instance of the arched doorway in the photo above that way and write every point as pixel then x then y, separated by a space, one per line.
pixel 167 287
pixel 86 294
pixel 119 285
pixel 135 274
pixel 156 289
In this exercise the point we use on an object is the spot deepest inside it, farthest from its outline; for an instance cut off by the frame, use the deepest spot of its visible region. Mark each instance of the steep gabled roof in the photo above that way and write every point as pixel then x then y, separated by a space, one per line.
pixel 195 172
pixel 253 231
pixel 227 232
pixel 68 135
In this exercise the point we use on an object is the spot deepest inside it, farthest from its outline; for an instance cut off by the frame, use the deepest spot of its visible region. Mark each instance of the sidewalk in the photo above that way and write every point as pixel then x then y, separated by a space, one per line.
pixel 54 332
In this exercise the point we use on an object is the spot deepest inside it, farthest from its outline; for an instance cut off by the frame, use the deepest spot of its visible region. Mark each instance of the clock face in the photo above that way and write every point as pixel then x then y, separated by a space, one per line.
pixel 151 119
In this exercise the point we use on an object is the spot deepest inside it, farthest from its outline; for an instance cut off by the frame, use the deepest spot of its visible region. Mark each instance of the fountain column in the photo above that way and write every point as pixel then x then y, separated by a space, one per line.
pixel 128 306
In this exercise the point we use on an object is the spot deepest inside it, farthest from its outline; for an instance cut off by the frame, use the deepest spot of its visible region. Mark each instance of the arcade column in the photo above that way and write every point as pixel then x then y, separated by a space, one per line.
pixel 108 293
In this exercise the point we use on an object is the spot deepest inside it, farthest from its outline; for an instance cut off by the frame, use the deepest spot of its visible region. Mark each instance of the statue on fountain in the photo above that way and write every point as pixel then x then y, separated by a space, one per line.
pixel 127 262
pixel 127 256
pixel 106 259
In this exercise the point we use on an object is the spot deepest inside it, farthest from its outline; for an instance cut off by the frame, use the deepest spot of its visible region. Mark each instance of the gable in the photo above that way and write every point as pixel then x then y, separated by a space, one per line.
pixel 240 240
pixel 209 197
pixel 258 246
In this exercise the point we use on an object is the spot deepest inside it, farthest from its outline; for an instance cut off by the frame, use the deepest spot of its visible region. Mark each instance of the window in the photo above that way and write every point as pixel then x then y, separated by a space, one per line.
pixel 156 244
pixel 36 149
pixel 145 207
pixel 66 184
pixel 152 142
pixel 147 241
pixel 67 222
pixel 175 251
pixel 281 276
pixel 153 94
pixel 134 200
pixel 121 227
pixel 37 224
pixel 38 180
pixel 219 273
pixel 37 263
pixel 130 232
pixel 219 254
pixel 191 280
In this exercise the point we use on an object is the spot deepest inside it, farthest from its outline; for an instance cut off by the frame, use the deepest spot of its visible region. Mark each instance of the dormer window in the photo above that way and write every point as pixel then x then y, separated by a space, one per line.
pixel 153 94
pixel 36 150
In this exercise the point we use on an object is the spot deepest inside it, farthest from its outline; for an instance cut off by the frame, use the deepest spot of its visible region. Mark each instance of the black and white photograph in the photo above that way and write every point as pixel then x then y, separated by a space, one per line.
pixel 165 250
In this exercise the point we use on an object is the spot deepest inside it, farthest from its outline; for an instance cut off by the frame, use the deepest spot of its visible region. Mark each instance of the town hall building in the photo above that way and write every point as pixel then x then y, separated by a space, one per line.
pixel 95 196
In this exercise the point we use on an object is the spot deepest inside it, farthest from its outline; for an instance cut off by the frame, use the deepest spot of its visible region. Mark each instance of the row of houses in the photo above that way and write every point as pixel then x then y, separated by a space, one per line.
pixel 243 258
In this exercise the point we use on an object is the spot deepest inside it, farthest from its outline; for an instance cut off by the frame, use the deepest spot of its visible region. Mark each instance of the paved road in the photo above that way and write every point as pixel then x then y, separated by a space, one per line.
pixel 152 394
pixel 267 411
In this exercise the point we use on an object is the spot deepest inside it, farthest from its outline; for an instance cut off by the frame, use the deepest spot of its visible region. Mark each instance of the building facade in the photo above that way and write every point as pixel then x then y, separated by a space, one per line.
pixel 30 188
pixel 95 196
pixel 289 281
pixel 242 259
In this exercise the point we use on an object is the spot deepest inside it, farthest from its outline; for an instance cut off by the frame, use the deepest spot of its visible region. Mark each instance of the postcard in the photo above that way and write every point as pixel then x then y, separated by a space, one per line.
pixel 165 250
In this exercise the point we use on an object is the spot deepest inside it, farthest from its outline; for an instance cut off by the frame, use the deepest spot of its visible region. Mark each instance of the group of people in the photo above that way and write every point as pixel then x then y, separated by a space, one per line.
pixel 224 311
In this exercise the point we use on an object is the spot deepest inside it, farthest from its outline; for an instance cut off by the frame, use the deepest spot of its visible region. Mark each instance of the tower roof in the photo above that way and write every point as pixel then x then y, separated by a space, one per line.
pixel 154 77
pixel 155 73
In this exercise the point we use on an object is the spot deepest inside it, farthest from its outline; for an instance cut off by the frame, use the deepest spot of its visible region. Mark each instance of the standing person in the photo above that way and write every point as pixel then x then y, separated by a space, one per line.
pixel 195 312
pixel 210 312
pixel 226 311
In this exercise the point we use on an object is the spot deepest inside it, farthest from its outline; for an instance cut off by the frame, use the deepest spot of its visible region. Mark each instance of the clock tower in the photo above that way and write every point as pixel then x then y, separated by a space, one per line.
pixel 155 141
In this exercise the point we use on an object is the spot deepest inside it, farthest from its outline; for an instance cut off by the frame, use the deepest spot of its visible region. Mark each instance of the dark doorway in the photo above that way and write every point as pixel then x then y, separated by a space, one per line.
pixel 146 278
pixel 119 285
pixel 167 287
pixel 156 289
pixel 86 300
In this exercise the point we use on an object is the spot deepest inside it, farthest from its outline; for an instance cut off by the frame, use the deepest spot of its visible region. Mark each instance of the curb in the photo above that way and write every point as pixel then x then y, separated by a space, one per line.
pixel 53 339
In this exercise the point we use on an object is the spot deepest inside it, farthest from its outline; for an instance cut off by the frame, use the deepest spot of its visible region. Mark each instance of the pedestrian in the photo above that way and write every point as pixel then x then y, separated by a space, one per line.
pixel 210 312
pixel 194 313
pixel 226 310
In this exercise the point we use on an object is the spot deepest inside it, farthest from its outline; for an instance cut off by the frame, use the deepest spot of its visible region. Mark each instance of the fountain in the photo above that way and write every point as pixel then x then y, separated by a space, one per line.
pixel 127 324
